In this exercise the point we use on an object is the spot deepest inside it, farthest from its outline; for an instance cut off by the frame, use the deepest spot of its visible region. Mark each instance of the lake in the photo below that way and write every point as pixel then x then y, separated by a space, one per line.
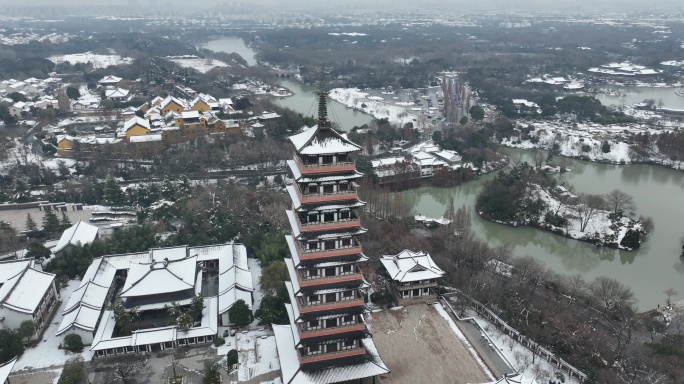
pixel 230 45
pixel 635 95
pixel 305 99
pixel 658 192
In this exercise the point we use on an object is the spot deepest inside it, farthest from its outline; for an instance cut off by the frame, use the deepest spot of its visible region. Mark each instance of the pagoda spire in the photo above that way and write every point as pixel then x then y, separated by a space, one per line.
pixel 322 120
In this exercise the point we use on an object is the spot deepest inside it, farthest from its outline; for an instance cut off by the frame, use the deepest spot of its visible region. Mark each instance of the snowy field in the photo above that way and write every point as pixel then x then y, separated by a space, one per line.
pixel 98 61
pixel 572 138
pixel 257 354
pixel 47 353
pixel 373 105
pixel 20 153
pixel 201 65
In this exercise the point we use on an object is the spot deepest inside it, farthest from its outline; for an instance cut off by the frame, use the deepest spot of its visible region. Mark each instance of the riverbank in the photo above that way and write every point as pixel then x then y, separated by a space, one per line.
pixel 561 213
pixel 374 106
pixel 587 141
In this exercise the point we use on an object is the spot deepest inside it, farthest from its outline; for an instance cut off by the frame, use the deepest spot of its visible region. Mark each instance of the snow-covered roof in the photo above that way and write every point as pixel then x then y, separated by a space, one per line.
pixel 160 276
pixel 89 294
pixel 371 365
pixel 24 291
pixel 9 269
pixel 81 232
pixel 315 141
pixel 387 161
pixel 235 278
pixel 81 317
pixel 190 115
pixel 410 266
pixel 118 92
pixel 448 155
pixel 135 120
pixel 146 138
pixel 6 369
pixel 100 271
pixel 424 158
pixel 169 100
pixel 110 80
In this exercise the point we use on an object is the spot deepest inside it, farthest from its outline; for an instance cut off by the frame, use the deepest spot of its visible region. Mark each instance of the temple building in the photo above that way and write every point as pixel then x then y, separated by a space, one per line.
pixel 413 277
pixel 327 340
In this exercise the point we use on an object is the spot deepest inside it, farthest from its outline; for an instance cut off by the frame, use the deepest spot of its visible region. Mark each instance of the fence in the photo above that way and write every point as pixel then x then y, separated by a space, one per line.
pixel 537 349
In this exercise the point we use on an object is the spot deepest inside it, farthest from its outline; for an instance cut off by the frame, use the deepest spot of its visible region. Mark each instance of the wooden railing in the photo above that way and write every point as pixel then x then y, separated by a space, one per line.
pixel 313 281
pixel 320 254
pixel 328 306
pixel 327 196
pixel 325 167
pixel 332 355
pixel 332 330
pixel 315 226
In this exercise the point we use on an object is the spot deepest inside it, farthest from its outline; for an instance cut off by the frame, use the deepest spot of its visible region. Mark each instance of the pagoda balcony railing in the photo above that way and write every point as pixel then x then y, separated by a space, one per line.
pixel 311 333
pixel 339 166
pixel 332 355
pixel 328 225
pixel 310 308
pixel 312 281
pixel 325 196
pixel 321 254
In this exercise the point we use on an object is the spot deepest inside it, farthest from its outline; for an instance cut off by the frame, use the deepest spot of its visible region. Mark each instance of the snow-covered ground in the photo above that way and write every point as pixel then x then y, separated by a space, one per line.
pixel 98 61
pixel 47 353
pixel 538 373
pixel 442 312
pixel 373 105
pixel 257 354
pixel 201 65
pixel 255 268
pixel 20 153
pixel 584 140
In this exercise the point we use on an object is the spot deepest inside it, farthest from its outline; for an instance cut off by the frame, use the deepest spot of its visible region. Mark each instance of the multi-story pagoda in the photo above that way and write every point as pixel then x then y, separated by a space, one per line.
pixel 327 340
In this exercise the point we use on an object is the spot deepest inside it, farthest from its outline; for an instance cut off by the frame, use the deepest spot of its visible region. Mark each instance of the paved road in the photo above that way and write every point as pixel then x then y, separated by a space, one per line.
pixel 487 352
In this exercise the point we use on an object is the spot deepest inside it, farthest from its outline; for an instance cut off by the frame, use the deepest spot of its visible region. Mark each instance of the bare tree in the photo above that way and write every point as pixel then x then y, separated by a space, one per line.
pixel 620 201
pixel 125 372
pixel 611 293
pixel 588 207
pixel 670 292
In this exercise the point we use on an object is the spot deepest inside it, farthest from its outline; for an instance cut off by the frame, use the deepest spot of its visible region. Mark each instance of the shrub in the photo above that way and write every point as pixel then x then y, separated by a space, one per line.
pixel 555 220
pixel 382 298
pixel 73 343
pixel 586 148
pixel 219 341
pixel 232 358
pixel 605 147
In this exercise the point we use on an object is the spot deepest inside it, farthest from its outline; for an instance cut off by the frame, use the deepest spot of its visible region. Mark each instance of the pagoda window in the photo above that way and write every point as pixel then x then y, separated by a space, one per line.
pixel 347 269
pixel 314 349
pixel 328 217
pixel 330 298
pixel 312 188
pixel 348 344
pixel 330 244
pixel 331 323
pixel 327 159
pixel 348 320
pixel 330 271
pixel 347 294
pixel 345 215
pixel 312 245
pixel 313 299
pixel 346 242
pixel 312 218
pixel 316 324
pixel 312 273
pixel 328 188
pixel 343 186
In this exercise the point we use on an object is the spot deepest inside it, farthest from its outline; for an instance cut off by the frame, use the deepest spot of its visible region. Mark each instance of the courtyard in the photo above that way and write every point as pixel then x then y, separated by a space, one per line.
pixel 418 346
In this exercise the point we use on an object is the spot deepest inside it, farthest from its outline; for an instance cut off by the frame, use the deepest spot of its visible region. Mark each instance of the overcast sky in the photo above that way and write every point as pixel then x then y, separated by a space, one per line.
pixel 381 4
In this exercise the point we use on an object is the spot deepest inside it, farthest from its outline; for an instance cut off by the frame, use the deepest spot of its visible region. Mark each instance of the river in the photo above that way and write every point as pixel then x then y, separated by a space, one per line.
pixel 304 99
pixel 635 95
pixel 230 45
pixel 658 192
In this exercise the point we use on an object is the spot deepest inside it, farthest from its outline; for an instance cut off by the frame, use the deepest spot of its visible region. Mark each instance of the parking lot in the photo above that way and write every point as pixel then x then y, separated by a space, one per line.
pixel 418 346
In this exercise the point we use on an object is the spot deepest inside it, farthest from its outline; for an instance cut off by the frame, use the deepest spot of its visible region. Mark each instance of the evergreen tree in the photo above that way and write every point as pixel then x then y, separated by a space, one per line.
pixel 239 314
pixel 65 222
pixel 10 345
pixel 30 224
pixel 36 250
pixel 26 329
pixel 112 194
pixel 51 223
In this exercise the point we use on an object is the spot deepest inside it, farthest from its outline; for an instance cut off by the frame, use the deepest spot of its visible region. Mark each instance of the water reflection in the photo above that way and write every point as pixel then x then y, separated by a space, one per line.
pixel 657 191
